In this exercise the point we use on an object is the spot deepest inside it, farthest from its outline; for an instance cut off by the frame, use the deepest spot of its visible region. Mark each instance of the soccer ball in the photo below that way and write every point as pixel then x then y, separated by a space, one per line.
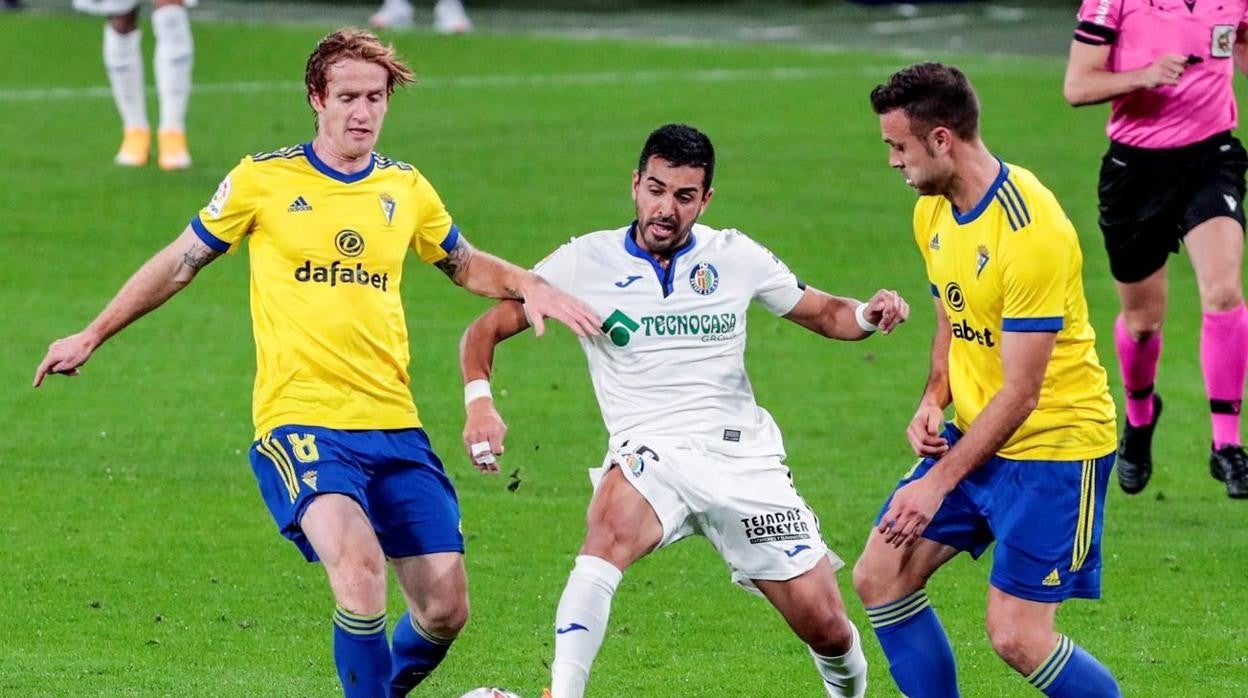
pixel 489 692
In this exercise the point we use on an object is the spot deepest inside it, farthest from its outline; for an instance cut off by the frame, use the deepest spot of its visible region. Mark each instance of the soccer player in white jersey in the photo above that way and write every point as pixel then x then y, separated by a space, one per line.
pixel 123 59
pixel 690 452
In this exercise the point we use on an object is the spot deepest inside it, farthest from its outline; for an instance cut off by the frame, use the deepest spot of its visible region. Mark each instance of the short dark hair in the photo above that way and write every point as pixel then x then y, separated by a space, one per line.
pixel 682 146
pixel 931 94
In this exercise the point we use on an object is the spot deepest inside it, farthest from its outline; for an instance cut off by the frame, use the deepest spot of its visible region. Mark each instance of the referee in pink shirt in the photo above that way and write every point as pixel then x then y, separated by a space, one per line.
pixel 1173 173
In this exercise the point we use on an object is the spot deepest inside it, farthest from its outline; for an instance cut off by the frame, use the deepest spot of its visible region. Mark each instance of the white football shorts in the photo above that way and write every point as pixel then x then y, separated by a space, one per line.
pixel 748 508
pixel 109 8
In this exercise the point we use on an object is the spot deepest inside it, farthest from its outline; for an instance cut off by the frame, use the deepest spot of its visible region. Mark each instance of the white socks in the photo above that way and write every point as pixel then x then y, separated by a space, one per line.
pixel 844 676
pixel 124 62
pixel 581 623
pixel 175 54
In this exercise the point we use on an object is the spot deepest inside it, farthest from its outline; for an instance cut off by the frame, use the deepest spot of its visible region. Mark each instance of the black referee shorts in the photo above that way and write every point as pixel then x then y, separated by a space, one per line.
pixel 1151 198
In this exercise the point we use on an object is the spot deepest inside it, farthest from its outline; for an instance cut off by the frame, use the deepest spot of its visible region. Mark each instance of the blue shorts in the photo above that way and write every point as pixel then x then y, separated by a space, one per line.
pixel 394 476
pixel 1046 517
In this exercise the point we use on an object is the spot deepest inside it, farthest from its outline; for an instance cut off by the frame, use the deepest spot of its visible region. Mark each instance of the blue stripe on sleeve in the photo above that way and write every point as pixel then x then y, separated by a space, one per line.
pixel 1032 324
pixel 1010 214
pixel 935 291
pixel 208 238
pixel 1009 199
pixel 452 237
pixel 1018 199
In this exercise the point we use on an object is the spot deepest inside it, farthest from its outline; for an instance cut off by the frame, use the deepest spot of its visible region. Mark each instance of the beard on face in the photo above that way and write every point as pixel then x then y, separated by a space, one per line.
pixel 675 236
pixel 930 182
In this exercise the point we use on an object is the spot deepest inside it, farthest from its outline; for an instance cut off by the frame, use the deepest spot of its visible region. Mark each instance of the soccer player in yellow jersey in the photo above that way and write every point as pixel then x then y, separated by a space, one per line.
pixel 341 460
pixel 1025 460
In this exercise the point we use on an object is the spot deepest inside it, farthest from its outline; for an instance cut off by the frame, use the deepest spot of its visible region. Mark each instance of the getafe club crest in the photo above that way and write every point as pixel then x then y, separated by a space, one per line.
pixel 387 207
pixel 704 279
pixel 981 259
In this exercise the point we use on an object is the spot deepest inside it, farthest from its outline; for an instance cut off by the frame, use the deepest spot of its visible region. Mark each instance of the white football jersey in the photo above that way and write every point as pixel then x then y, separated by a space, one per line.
pixel 671 361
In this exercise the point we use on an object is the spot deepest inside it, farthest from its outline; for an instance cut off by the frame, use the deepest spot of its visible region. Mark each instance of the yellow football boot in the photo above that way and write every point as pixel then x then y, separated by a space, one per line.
pixel 136 143
pixel 172 151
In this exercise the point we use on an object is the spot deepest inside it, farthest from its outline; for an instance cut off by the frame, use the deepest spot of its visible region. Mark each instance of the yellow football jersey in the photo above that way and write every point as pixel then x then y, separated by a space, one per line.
pixel 327 251
pixel 1013 264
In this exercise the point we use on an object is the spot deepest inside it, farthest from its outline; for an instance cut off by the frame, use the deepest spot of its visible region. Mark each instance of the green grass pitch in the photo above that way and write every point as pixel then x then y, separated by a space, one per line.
pixel 136 558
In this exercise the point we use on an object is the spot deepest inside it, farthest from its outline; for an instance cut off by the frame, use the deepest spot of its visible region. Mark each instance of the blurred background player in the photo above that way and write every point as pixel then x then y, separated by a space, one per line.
pixel 1173 174
pixel 449 16
pixel 690 451
pixel 172 63
pixel 1026 458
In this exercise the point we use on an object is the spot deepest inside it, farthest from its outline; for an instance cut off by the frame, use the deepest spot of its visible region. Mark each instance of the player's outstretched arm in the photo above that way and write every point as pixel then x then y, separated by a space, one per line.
pixel 484 428
pixel 486 275
pixel 166 273
pixel 1090 81
pixel 1024 358
pixel 845 318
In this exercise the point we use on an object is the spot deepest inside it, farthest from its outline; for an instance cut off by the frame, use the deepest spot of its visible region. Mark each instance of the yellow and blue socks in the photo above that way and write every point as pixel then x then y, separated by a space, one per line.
pixel 415 655
pixel 919 656
pixel 361 653
pixel 1070 672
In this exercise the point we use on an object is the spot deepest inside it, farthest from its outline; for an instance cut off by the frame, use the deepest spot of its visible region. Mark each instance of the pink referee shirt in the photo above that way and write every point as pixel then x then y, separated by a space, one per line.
pixel 1139 32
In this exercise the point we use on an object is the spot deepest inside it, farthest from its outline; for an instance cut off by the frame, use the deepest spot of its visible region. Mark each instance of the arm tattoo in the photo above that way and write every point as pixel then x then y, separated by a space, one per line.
pixel 455 264
pixel 198 255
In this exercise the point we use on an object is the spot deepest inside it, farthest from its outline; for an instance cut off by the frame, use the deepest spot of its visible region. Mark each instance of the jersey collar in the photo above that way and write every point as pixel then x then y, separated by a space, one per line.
pixel 330 172
pixel 969 216
pixel 666 276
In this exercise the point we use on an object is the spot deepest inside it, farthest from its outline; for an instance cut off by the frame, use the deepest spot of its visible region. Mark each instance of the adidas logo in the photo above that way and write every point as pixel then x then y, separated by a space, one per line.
pixel 300 204
pixel 1052 580
pixel 935 243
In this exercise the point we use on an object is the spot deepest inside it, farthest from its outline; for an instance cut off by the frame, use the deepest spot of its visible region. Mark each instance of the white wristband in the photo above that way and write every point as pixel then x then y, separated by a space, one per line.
pixel 476 389
pixel 860 314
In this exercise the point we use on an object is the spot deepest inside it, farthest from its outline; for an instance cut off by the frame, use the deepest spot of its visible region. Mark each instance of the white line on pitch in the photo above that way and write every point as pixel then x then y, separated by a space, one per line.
pixel 60 94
